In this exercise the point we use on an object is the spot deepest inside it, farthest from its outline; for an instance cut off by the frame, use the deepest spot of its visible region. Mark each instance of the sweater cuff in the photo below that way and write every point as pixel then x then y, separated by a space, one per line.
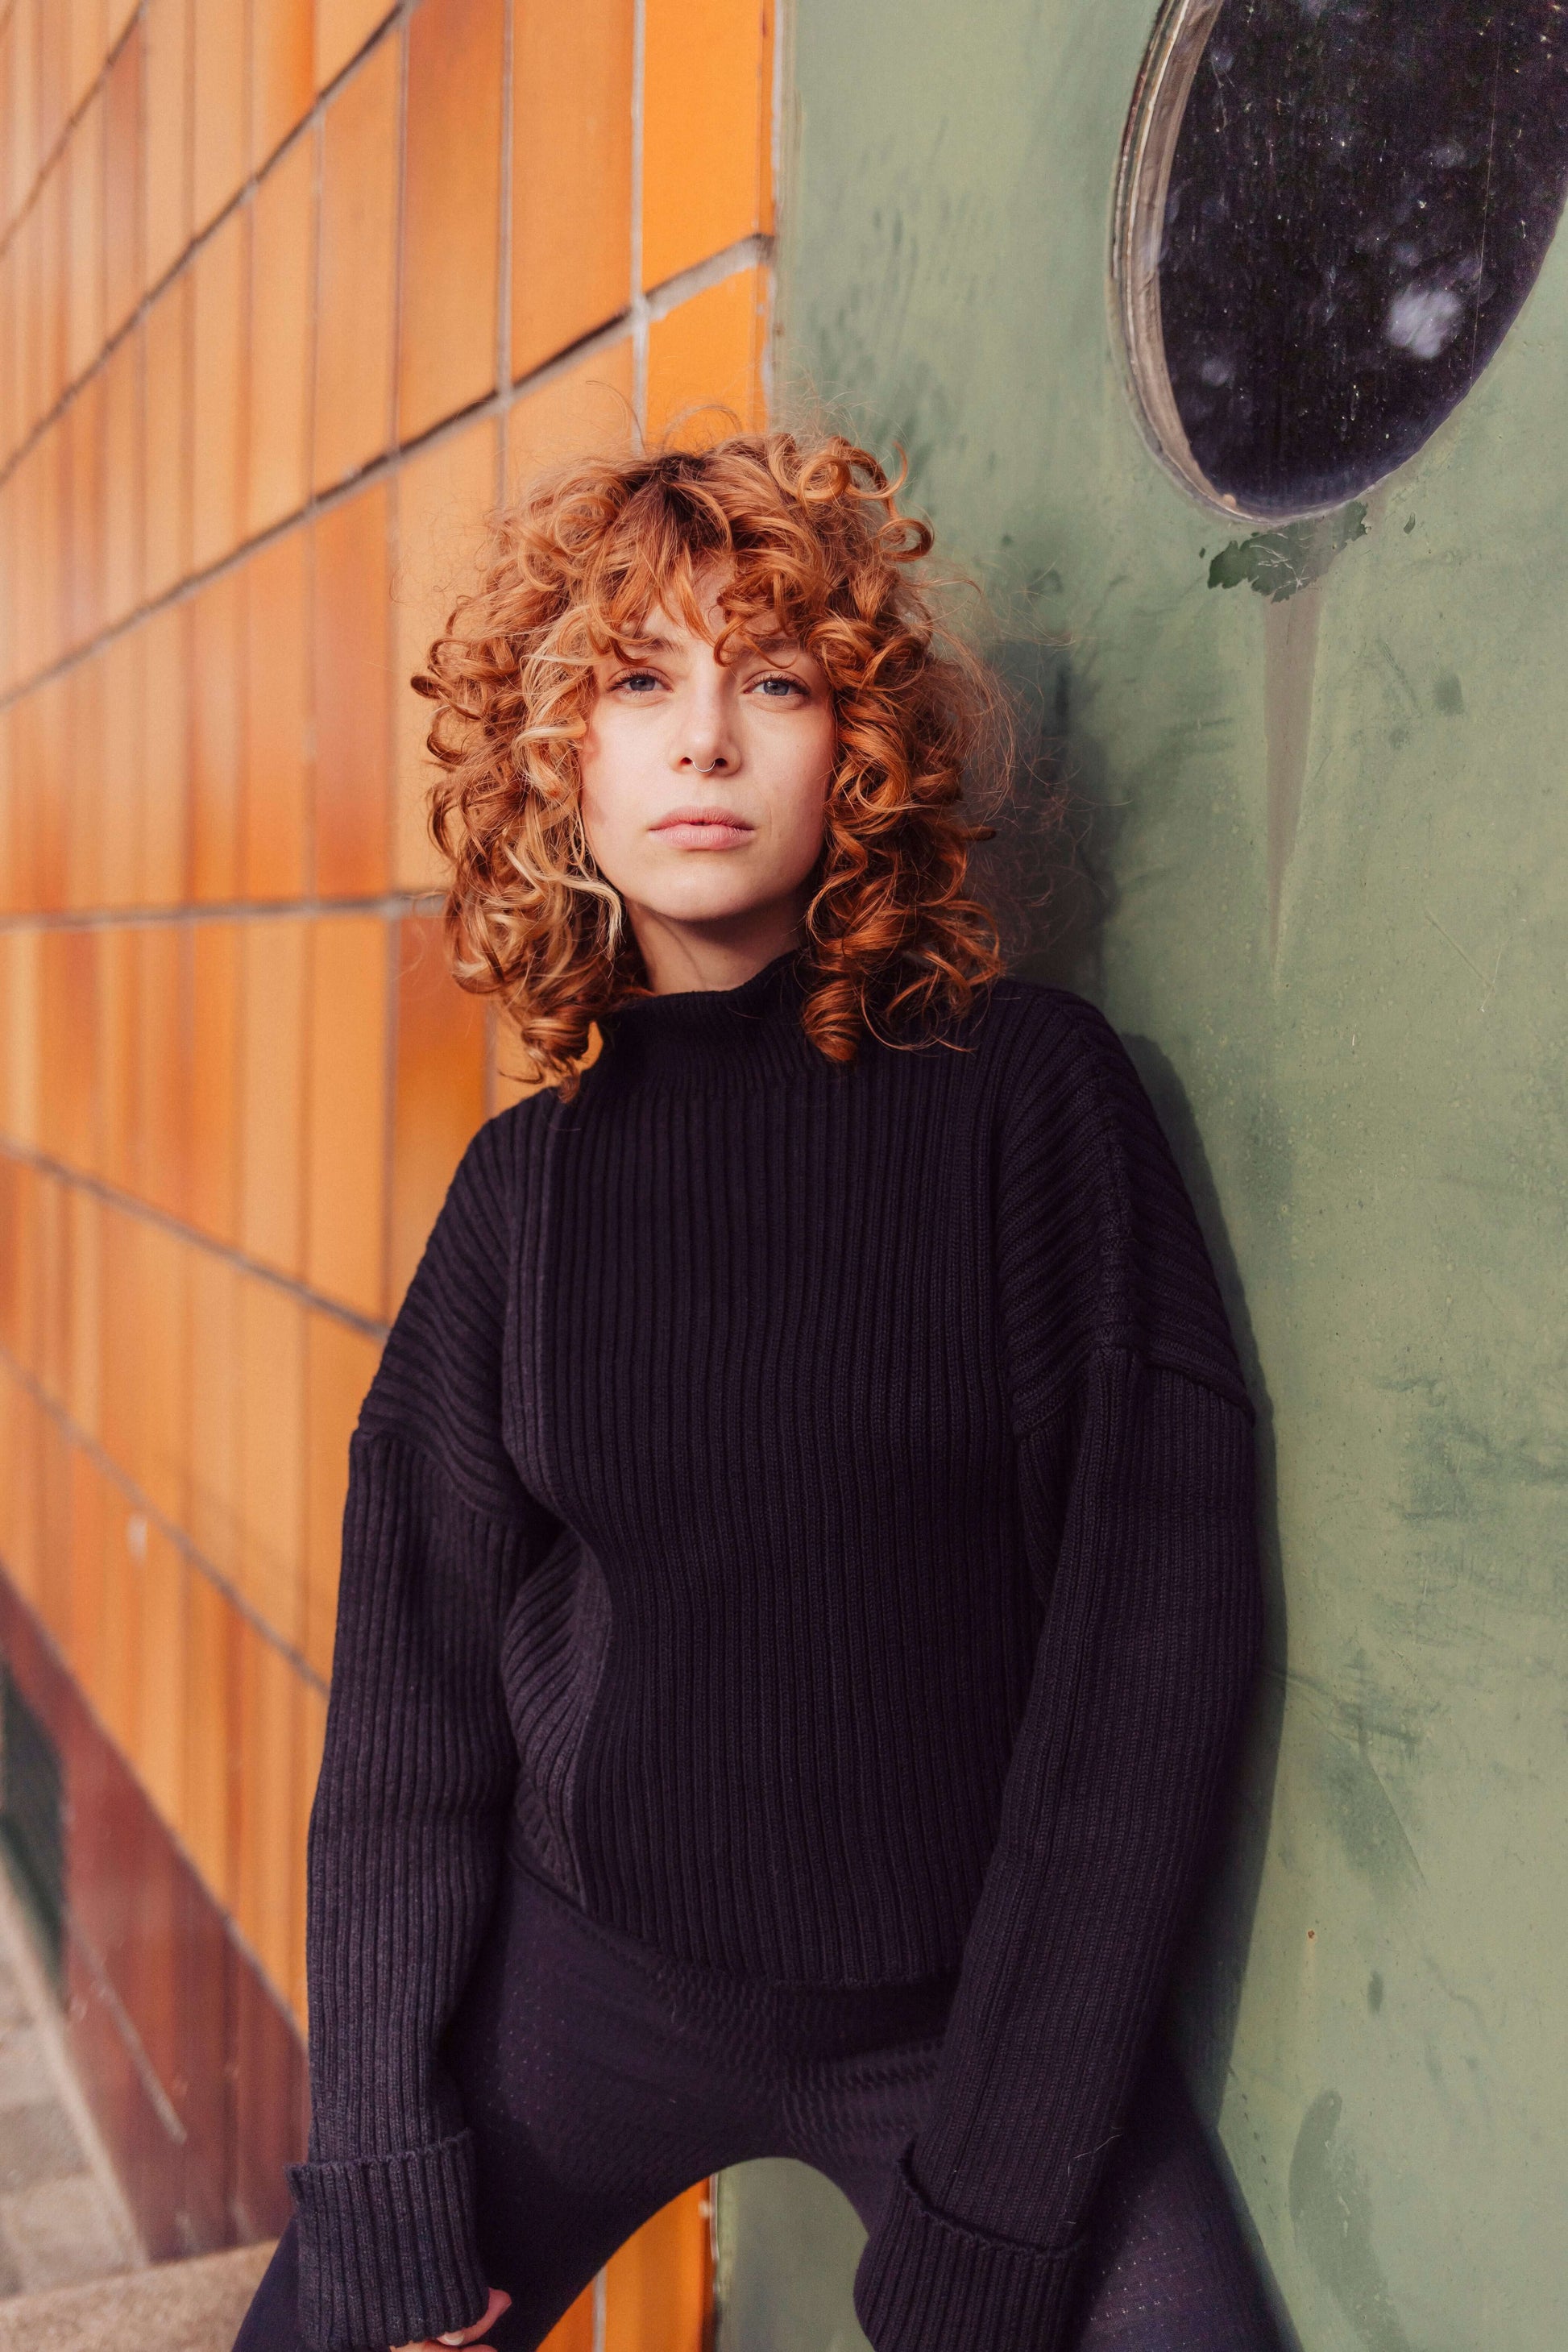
pixel 929 2284
pixel 387 2251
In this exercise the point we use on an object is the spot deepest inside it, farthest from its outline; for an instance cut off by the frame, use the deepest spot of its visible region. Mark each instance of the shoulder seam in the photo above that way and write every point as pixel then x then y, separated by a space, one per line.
pixel 1056 1399
pixel 1070 1008
pixel 388 1433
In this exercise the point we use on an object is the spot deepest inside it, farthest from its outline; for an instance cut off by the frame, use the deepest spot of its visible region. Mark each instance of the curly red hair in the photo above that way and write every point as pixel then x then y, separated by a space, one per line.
pixel 811 547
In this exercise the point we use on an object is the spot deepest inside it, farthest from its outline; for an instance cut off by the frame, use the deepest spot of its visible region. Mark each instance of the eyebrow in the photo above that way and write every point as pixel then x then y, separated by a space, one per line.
pixel 765 648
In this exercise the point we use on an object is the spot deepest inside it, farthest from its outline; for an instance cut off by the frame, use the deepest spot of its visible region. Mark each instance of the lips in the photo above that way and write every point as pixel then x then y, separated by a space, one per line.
pixel 703 828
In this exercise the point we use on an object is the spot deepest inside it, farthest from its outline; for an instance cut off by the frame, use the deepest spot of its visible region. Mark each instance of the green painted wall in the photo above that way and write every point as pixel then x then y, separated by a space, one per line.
pixel 1371 1110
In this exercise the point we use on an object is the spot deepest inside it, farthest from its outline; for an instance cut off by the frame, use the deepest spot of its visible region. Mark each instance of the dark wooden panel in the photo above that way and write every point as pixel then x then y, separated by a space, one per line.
pixel 131 2114
pixel 269 2097
pixel 203 2087
pixel 194 2070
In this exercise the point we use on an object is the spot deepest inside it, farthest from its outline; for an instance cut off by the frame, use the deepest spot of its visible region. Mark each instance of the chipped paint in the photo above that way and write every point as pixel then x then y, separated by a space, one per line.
pixel 1330 2206
pixel 1280 563
pixel 1289 669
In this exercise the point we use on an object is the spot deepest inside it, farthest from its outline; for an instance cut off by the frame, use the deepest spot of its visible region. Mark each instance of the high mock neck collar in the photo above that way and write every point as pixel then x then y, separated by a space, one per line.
pixel 700 1031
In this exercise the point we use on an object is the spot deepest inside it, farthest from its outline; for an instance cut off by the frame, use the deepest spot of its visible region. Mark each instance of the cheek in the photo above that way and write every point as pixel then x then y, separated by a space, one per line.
pixel 804 771
pixel 607 788
pixel 815 776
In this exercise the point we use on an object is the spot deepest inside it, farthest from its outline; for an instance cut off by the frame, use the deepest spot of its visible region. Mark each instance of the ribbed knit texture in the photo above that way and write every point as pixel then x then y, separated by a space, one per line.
pixel 816 1507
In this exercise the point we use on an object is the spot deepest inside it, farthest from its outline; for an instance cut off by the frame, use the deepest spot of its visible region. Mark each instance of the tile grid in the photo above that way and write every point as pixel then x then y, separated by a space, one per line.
pixel 498 404
pixel 142 1504
pixel 639 316
pixel 91 1535
pixel 644 307
pixel 245 1640
pixel 747 254
pixel 144 1514
pixel 184 1227
pixel 39 1247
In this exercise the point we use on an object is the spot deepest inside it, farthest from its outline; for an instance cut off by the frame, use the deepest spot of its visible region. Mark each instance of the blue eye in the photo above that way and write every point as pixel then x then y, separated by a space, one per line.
pixel 637 678
pixel 789 685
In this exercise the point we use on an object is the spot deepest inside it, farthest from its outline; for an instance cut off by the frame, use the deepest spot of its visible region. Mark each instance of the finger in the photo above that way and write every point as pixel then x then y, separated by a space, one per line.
pixel 441 2343
pixel 466 2336
pixel 499 2301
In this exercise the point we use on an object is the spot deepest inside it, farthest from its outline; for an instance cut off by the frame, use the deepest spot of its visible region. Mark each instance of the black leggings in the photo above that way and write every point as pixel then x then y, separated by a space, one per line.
pixel 601 2079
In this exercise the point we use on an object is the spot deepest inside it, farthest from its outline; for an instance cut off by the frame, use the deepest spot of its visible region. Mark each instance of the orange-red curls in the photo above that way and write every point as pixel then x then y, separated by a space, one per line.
pixel 811 544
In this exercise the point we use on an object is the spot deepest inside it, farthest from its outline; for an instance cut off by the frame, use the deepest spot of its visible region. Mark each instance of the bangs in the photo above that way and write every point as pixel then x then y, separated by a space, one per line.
pixel 684 541
pixel 793 540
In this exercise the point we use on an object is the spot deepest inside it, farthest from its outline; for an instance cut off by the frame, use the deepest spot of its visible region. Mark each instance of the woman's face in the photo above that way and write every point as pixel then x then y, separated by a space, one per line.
pixel 703 788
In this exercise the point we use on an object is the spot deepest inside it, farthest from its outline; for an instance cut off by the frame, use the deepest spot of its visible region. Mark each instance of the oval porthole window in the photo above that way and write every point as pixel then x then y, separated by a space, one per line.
pixel 1328 215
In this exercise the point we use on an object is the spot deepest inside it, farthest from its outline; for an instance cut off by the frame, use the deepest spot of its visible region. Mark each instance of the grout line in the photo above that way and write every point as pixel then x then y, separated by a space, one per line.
pixel 781 116
pixel 393 12
pixel 391 983
pixel 184 501
pixel 562 362
pixel 318 135
pixel 492 1073
pixel 131 1205
pixel 746 253
pixel 136 2049
pixel 144 1508
pixel 400 33
pixel 749 252
pixel 44 2015
pixel 503 239
pixel 393 907
pixel 188 198
pixel 638 304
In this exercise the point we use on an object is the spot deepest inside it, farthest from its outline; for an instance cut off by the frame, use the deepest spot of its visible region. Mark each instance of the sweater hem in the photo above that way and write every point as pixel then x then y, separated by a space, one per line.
pixel 814 2015
pixel 388 2252
pixel 927 2283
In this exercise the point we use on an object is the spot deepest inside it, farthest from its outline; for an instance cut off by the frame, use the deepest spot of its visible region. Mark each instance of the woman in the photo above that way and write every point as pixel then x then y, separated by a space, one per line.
pixel 799 1590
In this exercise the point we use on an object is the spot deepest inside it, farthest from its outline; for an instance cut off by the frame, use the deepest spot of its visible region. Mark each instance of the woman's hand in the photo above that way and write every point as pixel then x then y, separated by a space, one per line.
pixel 499 2301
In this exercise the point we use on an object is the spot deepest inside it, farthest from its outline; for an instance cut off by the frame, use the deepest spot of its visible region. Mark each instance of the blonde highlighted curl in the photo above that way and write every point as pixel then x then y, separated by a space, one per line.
pixel 808 539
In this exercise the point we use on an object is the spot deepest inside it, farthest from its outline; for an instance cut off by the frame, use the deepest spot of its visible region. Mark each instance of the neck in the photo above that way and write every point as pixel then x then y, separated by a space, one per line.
pixel 682 957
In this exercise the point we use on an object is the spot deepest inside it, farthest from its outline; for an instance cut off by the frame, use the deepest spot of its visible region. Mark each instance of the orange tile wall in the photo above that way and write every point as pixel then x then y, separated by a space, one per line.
pixel 290 292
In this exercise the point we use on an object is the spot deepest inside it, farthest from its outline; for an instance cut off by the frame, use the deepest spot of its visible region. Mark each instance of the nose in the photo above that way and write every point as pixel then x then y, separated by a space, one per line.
pixel 704 743
pixel 704 755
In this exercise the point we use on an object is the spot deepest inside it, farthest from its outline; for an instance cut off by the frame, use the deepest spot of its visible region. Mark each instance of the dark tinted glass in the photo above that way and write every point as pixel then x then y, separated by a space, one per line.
pixel 1361 195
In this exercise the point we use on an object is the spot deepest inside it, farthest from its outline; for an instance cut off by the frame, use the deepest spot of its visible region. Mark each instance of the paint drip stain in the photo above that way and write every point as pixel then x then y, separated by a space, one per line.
pixel 1362 1812
pixel 1331 2213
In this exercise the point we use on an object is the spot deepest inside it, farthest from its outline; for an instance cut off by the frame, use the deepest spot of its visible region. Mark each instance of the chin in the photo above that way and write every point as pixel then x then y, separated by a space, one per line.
pixel 707 907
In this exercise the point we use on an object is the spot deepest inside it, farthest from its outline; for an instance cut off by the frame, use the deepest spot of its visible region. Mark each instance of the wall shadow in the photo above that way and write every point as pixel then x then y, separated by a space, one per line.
pixel 1051 872
pixel 1205 1999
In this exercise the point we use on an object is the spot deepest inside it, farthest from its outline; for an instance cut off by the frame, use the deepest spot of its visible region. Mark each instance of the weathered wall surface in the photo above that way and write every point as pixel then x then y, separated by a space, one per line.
pixel 1372 1108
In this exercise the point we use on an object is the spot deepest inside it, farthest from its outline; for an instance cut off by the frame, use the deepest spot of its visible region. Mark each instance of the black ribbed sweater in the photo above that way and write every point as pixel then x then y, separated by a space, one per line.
pixel 813 1508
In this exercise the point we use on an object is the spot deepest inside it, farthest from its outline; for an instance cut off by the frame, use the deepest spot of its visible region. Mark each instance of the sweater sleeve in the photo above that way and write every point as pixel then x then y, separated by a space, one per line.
pixel 1135 1486
pixel 409 1816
